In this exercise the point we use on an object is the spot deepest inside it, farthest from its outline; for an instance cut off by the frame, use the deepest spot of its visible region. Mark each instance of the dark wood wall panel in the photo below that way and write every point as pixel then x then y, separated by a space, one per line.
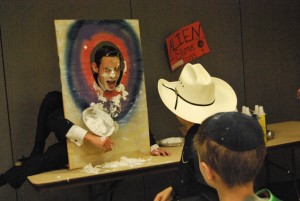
pixel 5 142
pixel 271 44
pixel 31 68
pixel 221 25
pixel 254 46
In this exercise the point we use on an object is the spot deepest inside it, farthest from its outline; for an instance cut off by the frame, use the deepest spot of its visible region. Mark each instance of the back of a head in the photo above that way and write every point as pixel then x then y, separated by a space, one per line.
pixel 232 144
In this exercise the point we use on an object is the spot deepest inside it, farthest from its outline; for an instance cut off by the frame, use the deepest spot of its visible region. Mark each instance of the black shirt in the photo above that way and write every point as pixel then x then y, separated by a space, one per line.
pixel 190 181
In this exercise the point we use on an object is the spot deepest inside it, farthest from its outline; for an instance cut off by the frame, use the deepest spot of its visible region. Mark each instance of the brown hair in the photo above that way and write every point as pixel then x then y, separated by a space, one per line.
pixel 234 167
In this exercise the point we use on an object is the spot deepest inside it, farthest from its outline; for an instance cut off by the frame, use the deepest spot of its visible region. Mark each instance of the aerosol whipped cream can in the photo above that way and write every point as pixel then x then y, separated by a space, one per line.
pixel 261 117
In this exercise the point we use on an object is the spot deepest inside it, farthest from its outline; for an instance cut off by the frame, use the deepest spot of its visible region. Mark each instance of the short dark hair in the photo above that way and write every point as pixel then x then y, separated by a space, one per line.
pixel 107 51
pixel 235 167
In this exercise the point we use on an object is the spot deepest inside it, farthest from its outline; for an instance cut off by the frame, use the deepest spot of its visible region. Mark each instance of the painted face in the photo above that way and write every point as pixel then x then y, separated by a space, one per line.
pixel 109 72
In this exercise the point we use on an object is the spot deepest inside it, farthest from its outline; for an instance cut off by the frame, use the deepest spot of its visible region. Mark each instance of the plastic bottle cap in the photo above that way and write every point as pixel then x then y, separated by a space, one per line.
pixel 256 108
pixel 247 111
pixel 261 111
pixel 244 109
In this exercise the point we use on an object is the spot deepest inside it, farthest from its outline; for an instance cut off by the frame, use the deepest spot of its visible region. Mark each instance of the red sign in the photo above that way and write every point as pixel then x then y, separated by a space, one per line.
pixel 186 44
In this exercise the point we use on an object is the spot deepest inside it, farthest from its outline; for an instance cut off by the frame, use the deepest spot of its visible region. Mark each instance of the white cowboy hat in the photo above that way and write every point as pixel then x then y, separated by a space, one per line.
pixel 197 95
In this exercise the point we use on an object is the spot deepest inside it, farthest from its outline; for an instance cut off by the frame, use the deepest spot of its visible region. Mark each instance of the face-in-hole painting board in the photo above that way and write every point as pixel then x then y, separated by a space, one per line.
pixel 77 42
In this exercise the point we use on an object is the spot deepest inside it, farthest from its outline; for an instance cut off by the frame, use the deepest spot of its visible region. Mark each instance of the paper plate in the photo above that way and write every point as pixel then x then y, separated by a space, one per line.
pixel 98 121
pixel 171 142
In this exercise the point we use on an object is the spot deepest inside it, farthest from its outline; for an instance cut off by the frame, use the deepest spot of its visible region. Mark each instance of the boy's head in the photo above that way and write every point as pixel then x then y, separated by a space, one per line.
pixel 231 148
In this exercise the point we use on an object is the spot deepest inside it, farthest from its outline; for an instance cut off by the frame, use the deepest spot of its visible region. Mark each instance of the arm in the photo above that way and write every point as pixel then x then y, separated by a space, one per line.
pixel 79 135
pixel 155 150
pixel 103 143
pixel 165 195
pixel 51 114
pixel 158 151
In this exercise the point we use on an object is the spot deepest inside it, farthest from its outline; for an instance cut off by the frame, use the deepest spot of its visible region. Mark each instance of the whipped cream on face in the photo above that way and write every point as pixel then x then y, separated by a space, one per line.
pixel 112 105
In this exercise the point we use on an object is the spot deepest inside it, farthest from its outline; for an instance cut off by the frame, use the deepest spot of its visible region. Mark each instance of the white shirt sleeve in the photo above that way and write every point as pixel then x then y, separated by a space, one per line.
pixel 153 147
pixel 76 134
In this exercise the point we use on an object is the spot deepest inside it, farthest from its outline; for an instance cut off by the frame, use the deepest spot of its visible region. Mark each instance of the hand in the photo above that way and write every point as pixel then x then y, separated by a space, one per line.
pixel 165 195
pixel 160 152
pixel 103 143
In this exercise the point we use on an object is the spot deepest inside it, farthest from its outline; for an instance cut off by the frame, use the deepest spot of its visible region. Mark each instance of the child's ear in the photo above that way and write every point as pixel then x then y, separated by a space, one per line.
pixel 94 67
pixel 205 169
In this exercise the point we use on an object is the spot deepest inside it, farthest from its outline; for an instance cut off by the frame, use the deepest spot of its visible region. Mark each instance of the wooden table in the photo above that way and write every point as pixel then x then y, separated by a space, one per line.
pixel 287 135
pixel 65 178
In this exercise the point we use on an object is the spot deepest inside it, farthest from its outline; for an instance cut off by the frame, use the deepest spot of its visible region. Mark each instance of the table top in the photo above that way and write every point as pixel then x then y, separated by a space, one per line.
pixel 75 177
pixel 286 134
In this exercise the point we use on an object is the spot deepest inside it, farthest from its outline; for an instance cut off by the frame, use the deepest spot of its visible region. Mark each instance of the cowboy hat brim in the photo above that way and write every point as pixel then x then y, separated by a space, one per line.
pixel 225 101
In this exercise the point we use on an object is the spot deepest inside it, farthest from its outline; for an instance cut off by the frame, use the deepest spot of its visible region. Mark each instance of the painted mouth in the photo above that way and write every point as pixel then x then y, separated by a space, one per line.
pixel 111 84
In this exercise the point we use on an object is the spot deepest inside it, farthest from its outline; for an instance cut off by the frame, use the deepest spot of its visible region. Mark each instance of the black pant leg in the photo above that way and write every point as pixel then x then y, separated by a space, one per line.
pixel 51 103
pixel 55 157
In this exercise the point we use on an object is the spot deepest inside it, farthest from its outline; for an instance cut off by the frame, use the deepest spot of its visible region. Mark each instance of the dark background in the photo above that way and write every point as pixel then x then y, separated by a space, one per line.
pixel 254 46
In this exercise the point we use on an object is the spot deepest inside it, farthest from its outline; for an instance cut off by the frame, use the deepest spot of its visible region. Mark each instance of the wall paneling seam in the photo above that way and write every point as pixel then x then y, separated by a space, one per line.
pixel 6 96
pixel 243 59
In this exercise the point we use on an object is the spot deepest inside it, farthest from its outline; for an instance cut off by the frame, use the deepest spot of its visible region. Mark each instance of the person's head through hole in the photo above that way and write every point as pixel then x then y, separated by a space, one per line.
pixel 107 65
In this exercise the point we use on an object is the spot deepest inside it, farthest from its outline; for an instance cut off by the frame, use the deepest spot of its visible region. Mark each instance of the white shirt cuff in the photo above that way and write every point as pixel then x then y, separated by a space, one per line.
pixel 76 134
pixel 153 147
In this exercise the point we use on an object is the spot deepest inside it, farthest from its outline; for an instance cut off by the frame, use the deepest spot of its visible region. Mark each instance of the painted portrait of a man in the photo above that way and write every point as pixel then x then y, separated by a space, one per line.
pixel 101 66
pixel 108 67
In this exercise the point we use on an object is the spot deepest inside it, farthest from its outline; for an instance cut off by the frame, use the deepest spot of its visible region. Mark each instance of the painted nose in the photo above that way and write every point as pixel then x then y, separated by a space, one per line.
pixel 112 74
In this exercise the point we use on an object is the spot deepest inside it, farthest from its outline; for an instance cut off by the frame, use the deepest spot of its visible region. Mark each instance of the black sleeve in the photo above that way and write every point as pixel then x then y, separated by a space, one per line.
pixel 51 116
pixel 59 125
pixel 152 138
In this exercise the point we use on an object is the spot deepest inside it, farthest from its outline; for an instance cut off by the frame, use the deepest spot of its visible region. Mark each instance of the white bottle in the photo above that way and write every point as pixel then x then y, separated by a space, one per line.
pixel 247 111
pixel 256 108
pixel 243 108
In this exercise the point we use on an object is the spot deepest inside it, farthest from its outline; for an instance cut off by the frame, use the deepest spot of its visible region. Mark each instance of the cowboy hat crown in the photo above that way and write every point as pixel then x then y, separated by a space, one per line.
pixel 197 95
pixel 196 85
